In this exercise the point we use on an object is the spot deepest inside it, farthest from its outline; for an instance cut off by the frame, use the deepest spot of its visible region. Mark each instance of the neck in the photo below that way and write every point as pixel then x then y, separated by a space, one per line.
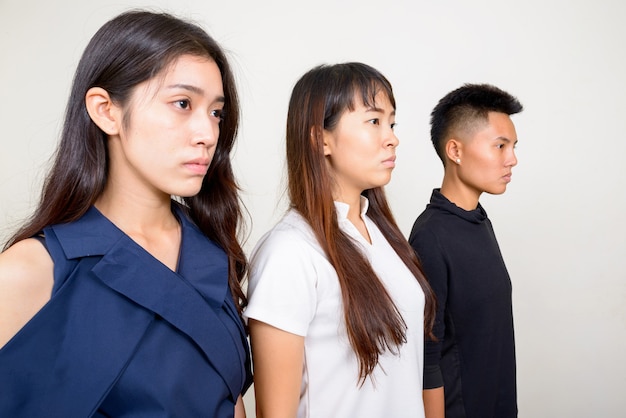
pixel 459 193
pixel 147 221
pixel 351 199
pixel 354 213
pixel 136 214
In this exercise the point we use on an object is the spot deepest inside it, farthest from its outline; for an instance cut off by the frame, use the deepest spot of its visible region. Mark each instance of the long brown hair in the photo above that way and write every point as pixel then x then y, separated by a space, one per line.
pixel 318 101
pixel 126 51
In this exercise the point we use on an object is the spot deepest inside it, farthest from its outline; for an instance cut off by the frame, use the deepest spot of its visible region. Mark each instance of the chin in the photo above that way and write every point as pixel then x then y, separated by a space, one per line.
pixel 496 191
pixel 383 182
pixel 187 192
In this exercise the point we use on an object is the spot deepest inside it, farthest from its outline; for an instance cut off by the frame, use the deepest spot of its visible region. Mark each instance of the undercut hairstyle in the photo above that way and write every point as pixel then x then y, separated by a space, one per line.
pixel 465 108
pixel 318 101
pixel 131 48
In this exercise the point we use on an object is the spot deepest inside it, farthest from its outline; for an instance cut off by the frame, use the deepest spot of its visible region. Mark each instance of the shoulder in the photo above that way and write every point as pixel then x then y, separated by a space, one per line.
pixel 291 236
pixel 26 280
pixel 288 257
pixel 283 277
pixel 428 223
pixel 26 263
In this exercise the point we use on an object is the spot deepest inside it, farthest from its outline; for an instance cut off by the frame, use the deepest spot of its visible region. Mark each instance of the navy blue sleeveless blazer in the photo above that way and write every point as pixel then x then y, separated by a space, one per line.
pixel 124 335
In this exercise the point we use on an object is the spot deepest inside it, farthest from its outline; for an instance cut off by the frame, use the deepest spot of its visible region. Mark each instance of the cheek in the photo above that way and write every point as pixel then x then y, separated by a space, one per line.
pixel 366 151
pixel 153 146
pixel 486 158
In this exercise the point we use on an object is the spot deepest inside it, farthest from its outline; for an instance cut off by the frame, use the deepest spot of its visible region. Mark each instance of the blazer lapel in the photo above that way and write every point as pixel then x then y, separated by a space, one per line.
pixel 205 265
pixel 129 270
pixel 196 301
pixel 66 359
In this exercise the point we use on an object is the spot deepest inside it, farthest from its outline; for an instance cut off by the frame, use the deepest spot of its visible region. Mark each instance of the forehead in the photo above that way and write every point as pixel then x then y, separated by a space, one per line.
pixel 494 125
pixel 193 67
pixel 501 125
pixel 373 100
pixel 192 70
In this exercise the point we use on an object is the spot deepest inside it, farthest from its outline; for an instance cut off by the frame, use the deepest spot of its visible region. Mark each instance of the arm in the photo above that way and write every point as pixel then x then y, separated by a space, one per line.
pixel 428 251
pixel 434 403
pixel 26 280
pixel 240 411
pixel 277 357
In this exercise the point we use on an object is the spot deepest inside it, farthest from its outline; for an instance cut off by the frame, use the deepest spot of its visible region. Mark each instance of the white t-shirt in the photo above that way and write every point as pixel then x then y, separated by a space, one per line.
pixel 293 287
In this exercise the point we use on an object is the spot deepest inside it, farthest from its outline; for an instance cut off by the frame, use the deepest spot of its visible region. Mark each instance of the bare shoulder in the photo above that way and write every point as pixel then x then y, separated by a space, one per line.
pixel 26 264
pixel 26 280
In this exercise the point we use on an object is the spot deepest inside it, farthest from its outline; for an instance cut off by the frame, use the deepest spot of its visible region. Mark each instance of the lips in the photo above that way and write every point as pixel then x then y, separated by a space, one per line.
pixel 198 166
pixel 390 162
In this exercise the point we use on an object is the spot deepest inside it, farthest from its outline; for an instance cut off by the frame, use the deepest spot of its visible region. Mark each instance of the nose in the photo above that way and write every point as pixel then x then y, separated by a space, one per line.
pixel 206 130
pixel 512 160
pixel 392 140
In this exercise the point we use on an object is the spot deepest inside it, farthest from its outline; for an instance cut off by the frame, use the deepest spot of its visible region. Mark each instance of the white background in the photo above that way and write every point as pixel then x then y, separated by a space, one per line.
pixel 561 223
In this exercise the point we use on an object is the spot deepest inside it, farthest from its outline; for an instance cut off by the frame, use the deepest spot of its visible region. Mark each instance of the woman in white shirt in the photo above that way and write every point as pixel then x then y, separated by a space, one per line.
pixel 338 305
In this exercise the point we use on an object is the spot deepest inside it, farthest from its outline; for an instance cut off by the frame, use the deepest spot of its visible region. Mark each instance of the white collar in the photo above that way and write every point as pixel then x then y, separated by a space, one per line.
pixel 343 208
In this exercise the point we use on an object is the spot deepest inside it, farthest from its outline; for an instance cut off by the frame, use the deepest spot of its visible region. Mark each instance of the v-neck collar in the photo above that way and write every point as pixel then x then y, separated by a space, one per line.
pixel 347 226
pixel 189 298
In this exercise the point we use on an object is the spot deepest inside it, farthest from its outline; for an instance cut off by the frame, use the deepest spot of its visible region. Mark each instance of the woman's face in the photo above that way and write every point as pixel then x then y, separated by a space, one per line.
pixel 488 156
pixel 361 150
pixel 167 146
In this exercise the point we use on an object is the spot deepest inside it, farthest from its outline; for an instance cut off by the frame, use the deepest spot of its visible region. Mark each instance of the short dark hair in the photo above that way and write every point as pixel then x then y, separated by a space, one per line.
pixel 463 107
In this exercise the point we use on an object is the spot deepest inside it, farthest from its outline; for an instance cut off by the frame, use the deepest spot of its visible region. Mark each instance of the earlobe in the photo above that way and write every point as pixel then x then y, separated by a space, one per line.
pixel 323 133
pixel 454 149
pixel 102 111
pixel 327 148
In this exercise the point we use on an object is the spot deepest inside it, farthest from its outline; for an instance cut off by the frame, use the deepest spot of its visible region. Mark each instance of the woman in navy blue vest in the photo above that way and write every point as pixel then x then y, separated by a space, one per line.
pixel 121 295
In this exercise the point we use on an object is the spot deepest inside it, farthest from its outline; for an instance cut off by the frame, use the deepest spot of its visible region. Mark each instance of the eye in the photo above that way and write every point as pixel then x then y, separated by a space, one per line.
pixel 375 121
pixel 500 146
pixel 218 114
pixel 182 104
pixel 393 125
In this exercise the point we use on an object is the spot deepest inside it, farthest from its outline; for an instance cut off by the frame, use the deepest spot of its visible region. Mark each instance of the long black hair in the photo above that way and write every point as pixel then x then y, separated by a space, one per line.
pixel 126 51
pixel 318 101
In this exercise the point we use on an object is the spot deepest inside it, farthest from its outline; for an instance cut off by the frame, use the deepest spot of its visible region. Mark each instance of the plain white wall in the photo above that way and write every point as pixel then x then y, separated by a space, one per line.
pixel 561 223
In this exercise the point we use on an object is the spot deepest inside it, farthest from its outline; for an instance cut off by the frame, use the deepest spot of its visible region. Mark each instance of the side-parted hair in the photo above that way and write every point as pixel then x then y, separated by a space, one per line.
pixel 134 47
pixel 318 101
pixel 463 108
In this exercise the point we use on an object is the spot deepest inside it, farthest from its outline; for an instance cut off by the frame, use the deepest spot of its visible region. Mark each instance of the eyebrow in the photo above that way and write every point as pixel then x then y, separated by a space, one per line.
pixel 194 89
pixel 505 139
pixel 379 110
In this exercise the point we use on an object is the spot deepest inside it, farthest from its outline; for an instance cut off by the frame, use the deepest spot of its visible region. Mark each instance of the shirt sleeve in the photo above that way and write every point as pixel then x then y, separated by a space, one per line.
pixel 428 250
pixel 282 286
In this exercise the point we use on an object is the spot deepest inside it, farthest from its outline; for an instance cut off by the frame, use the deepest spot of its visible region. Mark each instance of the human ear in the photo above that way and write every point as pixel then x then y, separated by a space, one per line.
pixel 327 138
pixel 315 134
pixel 102 111
pixel 454 150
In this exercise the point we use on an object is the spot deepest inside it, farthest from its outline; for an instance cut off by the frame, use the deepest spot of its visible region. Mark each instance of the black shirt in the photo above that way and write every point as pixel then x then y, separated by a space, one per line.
pixel 474 358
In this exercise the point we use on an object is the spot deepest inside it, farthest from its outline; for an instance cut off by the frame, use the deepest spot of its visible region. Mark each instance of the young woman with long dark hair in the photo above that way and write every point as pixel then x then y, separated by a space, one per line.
pixel 121 295
pixel 338 305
